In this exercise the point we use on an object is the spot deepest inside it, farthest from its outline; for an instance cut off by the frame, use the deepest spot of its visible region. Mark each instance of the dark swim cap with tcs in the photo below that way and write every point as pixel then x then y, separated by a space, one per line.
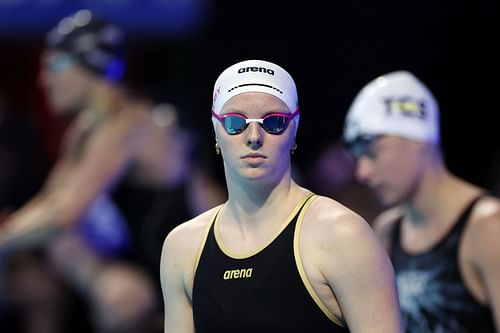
pixel 96 44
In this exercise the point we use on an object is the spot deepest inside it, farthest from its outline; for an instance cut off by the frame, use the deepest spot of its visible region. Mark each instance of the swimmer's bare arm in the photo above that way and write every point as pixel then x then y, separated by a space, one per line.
pixel 71 187
pixel 359 272
pixel 178 260
pixel 485 253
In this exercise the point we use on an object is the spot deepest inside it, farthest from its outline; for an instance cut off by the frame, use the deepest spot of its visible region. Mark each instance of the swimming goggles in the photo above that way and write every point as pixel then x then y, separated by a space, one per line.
pixel 273 123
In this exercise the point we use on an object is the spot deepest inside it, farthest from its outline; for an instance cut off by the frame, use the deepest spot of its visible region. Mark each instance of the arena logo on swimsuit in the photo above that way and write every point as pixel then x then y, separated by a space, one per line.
pixel 238 273
pixel 256 69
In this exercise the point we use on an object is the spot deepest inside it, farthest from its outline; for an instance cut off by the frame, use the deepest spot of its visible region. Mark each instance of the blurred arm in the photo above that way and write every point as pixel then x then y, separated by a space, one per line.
pixel 486 254
pixel 384 224
pixel 72 186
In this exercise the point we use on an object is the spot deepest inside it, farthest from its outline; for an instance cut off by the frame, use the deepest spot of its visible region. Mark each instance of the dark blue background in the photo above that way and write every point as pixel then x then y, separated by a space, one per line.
pixel 141 17
pixel 332 48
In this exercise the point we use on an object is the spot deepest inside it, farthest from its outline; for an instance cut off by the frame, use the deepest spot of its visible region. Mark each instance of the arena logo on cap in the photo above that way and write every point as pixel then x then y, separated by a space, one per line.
pixel 256 69
pixel 406 106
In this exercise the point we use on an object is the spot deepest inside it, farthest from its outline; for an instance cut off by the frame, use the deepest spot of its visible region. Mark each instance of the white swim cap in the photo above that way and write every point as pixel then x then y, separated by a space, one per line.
pixel 255 76
pixel 396 103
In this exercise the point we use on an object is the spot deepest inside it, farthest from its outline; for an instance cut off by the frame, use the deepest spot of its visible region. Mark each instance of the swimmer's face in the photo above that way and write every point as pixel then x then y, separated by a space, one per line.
pixel 253 153
pixel 65 82
pixel 392 166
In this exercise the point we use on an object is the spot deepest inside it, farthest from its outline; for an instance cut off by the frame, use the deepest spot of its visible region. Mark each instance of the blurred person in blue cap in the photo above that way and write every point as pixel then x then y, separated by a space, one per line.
pixel 441 231
pixel 115 135
pixel 274 257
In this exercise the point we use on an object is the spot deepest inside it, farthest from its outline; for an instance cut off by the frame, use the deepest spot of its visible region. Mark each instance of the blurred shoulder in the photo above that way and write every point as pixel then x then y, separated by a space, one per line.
pixel 385 221
pixel 485 214
pixel 134 113
pixel 188 235
pixel 487 206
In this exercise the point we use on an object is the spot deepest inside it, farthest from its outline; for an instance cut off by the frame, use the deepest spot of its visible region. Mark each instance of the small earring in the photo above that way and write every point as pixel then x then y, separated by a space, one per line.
pixel 294 148
pixel 217 148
